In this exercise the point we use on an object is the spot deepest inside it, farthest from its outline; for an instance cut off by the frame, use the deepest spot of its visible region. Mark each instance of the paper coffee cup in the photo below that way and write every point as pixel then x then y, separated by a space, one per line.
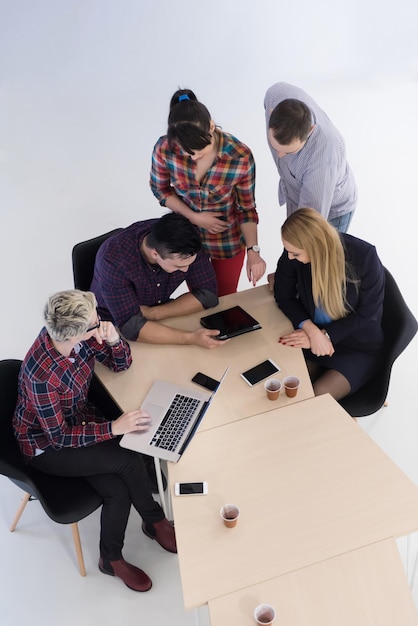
pixel 291 385
pixel 272 387
pixel 230 515
pixel 264 614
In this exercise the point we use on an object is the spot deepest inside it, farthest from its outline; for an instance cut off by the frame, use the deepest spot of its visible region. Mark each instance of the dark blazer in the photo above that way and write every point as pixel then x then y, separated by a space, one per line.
pixel 361 329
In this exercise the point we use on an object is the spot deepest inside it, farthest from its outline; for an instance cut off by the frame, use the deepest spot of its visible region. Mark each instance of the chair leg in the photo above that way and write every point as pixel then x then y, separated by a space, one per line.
pixel 74 528
pixel 78 549
pixel 20 510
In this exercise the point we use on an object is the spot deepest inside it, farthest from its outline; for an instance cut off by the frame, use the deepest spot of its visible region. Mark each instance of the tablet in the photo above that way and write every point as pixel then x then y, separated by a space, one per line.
pixel 230 322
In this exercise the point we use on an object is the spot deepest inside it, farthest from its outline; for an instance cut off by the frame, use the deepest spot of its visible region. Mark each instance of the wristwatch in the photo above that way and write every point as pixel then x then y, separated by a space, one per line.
pixel 255 248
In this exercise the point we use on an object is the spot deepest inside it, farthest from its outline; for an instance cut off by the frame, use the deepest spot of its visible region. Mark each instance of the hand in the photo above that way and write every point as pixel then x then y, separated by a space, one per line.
pixel 149 312
pixel 296 339
pixel 256 266
pixel 210 221
pixel 206 338
pixel 106 332
pixel 133 421
pixel 316 341
pixel 270 281
pixel 320 344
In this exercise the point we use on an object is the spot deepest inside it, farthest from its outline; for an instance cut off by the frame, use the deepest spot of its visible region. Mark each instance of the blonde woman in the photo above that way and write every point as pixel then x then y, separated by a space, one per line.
pixel 331 287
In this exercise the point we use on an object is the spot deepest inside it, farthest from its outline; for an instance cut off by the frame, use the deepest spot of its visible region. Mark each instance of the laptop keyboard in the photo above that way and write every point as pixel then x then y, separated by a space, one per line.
pixel 174 423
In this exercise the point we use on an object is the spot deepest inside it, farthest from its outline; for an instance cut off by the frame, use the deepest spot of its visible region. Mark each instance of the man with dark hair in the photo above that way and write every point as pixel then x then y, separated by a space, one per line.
pixel 310 156
pixel 138 269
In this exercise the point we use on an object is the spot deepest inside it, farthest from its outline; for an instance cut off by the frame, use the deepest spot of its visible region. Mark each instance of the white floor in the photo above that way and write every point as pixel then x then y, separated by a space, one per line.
pixel 84 91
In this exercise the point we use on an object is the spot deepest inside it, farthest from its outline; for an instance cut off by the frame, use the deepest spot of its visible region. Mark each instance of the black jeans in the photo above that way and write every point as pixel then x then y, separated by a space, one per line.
pixel 118 475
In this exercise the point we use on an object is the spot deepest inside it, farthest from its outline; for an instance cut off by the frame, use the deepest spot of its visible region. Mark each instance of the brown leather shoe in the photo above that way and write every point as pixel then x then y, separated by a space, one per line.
pixel 163 532
pixel 132 576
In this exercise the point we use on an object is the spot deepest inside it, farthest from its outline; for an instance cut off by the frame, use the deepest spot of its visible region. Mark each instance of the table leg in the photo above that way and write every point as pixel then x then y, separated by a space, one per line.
pixel 411 577
pixel 196 616
pixel 157 464
pixel 168 499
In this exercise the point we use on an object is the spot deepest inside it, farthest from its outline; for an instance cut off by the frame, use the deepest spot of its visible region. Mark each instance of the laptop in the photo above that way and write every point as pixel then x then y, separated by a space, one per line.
pixel 176 413
pixel 230 322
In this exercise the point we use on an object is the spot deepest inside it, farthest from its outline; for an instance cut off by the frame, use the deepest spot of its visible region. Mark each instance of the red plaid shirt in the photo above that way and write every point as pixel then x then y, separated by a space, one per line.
pixel 52 410
pixel 227 186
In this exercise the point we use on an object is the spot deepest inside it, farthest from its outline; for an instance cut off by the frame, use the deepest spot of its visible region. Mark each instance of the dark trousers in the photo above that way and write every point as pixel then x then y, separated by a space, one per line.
pixel 118 475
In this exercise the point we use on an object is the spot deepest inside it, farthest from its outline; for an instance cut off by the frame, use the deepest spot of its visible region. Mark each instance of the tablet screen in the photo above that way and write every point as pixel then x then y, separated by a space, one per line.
pixel 231 322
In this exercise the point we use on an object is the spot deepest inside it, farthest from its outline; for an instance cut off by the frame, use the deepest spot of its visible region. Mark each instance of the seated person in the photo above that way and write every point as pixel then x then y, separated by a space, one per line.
pixel 331 287
pixel 137 270
pixel 59 432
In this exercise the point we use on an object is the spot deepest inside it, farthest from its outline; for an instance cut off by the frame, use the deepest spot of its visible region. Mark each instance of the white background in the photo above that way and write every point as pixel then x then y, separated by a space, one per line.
pixel 84 93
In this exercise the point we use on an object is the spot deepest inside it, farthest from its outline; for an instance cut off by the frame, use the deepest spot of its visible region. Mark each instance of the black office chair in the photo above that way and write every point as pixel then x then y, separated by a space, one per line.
pixel 84 256
pixel 399 328
pixel 64 500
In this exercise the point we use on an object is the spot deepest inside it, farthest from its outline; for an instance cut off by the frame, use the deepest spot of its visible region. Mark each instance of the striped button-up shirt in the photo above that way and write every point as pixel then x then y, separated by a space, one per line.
pixel 52 410
pixel 228 186
pixel 318 176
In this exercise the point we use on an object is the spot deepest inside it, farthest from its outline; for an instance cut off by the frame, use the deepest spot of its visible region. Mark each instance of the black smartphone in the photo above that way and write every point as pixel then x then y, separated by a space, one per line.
pixel 205 381
pixel 257 373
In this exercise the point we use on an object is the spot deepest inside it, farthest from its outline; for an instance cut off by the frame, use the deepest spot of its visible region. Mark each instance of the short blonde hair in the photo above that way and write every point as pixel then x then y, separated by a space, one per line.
pixel 68 314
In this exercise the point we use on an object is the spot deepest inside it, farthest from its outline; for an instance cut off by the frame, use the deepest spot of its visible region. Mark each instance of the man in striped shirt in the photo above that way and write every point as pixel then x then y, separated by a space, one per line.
pixel 310 156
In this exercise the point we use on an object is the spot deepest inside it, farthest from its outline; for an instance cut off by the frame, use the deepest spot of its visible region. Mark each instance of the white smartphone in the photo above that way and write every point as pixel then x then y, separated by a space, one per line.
pixel 191 489
pixel 259 372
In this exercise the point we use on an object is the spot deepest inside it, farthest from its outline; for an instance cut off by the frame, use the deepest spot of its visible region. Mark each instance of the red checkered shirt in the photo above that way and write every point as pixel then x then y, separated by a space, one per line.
pixel 228 186
pixel 52 410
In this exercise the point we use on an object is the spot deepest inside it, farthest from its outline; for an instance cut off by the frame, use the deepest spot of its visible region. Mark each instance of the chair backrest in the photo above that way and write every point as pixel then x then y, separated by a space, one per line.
pixel 399 328
pixel 399 323
pixel 11 462
pixel 84 256
pixel 65 500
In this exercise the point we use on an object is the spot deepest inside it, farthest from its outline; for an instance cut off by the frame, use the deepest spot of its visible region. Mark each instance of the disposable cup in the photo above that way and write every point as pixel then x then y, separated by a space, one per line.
pixel 291 385
pixel 230 515
pixel 264 614
pixel 272 387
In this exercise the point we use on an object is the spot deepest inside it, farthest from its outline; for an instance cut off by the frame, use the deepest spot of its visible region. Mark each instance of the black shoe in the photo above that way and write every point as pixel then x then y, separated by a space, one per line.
pixel 150 467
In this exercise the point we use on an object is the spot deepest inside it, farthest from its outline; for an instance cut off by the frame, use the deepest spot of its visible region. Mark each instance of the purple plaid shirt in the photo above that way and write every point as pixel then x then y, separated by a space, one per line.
pixel 228 186
pixel 52 410
pixel 123 279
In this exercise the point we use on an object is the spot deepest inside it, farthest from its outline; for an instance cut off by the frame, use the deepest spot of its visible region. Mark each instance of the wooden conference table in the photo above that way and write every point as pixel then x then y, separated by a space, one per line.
pixel 310 483
pixel 178 364
pixel 365 587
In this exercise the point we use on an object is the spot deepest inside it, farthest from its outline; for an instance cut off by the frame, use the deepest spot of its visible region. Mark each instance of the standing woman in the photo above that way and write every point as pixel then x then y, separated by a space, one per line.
pixel 60 432
pixel 331 287
pixel 209 177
